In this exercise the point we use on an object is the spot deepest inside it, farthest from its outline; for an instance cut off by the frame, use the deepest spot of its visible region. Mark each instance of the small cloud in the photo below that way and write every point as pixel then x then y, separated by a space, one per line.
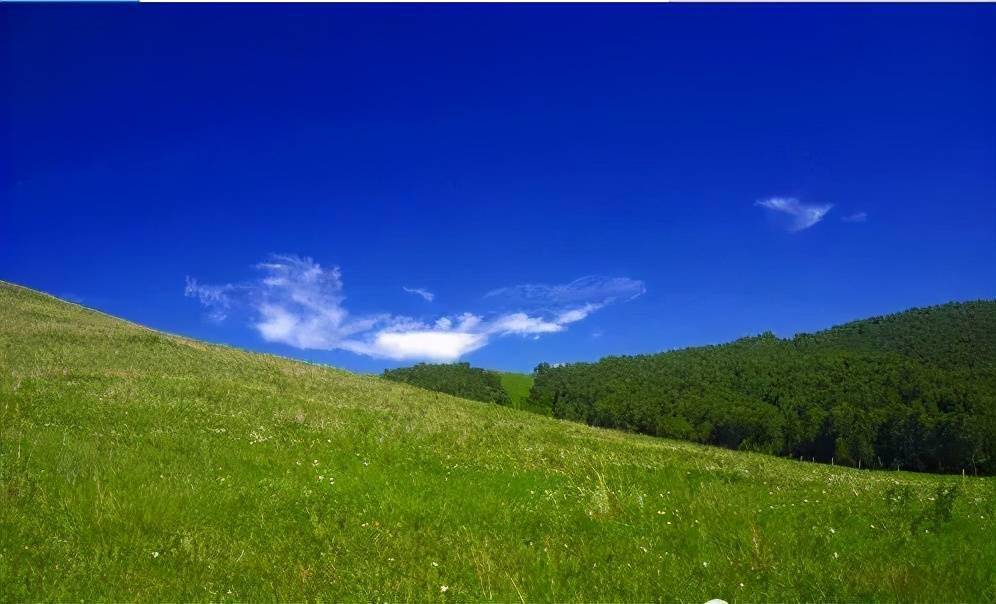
pixel 418 291
pixel 597 333
pixel 522 324
pixel 577 314
pixel 856 217
pixel 300 303
pixel 802 216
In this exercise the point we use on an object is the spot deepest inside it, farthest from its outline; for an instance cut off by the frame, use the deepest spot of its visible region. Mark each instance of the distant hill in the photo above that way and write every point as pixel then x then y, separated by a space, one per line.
pixel 141 466
pixel 913 390
pixel 458 379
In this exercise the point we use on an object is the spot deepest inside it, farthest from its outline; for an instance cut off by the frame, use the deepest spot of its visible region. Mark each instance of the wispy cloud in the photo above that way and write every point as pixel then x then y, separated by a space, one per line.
pixel 856 217
pixel 586 290
pixel 801 216
pixel 298 302
pixel 418 291
pixel 214 297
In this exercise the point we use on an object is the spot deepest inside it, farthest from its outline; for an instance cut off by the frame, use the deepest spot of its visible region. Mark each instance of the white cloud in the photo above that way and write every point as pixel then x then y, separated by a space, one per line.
pixel 802 216
pixel 856 217
pixel 418 291
pixel 431 345
pixel 298 302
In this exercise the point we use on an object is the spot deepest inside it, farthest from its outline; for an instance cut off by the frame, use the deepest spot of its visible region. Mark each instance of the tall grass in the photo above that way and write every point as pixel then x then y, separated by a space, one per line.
pixel 136 465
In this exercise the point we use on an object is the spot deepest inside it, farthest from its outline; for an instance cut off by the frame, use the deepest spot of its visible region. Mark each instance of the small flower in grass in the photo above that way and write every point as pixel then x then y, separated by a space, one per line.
pixel 155 554
pixel 832 531
pixel 444 588
pixel 704 564
pixel 835 556
pixel 435 563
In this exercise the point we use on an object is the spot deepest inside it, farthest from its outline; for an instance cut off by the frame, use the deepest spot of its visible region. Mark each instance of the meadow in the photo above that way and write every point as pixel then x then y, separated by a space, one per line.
pixel 136 465
pixel 517 386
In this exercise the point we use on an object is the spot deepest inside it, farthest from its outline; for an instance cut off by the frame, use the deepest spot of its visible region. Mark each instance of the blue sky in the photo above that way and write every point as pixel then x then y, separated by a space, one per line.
pixel 564 183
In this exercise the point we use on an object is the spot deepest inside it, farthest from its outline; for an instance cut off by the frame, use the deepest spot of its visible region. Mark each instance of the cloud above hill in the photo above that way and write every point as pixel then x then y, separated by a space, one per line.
pixel 297 302
pixel 425 294
pixel 800 216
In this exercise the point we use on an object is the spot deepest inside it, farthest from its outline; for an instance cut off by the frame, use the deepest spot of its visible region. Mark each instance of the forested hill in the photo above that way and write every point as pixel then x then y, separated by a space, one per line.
pixel 950 335
pixel 914 390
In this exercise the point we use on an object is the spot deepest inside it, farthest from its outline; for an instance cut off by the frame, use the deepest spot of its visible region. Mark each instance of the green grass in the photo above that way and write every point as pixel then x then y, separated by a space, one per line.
pixel 517 386
pixel 136 465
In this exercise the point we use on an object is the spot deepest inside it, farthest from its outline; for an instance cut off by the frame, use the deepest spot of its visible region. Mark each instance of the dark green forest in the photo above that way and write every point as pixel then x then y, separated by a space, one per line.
pixel 458 379
pixel 914 391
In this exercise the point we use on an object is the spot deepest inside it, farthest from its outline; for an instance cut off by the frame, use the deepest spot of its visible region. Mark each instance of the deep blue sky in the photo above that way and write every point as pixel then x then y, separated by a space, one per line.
pixel 462 149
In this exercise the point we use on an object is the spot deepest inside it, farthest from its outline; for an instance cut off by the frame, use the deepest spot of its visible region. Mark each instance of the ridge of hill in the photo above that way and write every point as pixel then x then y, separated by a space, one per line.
pixel 956 334
pixel 136 465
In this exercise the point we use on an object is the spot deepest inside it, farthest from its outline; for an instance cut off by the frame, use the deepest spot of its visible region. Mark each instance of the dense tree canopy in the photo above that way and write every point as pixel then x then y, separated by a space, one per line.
pixel 458 379
pixel 915 390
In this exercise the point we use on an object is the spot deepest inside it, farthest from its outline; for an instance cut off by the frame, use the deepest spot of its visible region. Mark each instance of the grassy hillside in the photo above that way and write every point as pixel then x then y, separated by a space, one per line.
pixel 141 466
pixel 517 386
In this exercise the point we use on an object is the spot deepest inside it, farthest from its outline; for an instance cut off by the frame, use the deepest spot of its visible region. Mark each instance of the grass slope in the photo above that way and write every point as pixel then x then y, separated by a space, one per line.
pixel 517 386
pixel 136 465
